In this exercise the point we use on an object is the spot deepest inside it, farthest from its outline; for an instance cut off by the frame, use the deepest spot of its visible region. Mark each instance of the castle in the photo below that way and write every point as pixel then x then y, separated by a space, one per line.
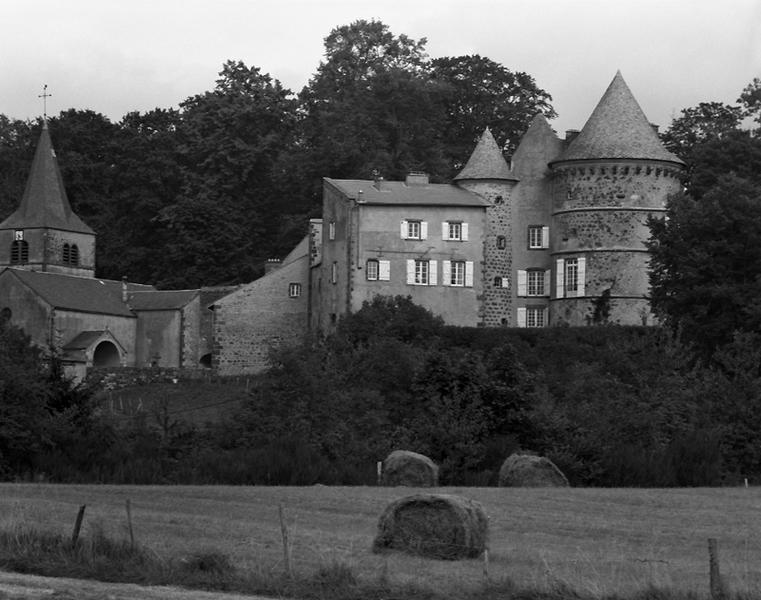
pixel 557 237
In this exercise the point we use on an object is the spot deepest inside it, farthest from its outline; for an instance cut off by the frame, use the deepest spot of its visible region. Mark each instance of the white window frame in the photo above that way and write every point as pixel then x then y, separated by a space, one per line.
pixel 332 230
pixel 538 237
pixel 372 269
pixel 334 273
pixel 422 272
pixel 414 229
pixel 536 316
pixel 570 277
pixel 294 290
pixel 535 283
pixel 454 231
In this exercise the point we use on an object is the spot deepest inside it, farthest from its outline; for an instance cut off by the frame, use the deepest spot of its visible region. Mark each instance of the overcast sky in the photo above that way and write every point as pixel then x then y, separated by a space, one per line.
pixel 115 57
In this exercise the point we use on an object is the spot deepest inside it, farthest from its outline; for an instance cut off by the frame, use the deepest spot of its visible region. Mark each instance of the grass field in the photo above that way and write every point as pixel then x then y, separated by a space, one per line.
pixel 596 541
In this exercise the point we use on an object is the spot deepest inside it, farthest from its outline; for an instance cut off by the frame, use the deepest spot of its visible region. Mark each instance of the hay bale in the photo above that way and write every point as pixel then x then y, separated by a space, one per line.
pixel 528 470
pixel 434 526
pixel 411 469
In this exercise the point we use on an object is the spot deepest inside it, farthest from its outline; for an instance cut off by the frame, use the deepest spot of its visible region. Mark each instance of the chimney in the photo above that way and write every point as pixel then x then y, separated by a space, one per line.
pixel 377 179
pixel 655 128
pixel 417 178
pixel 125 297
pixel 570 135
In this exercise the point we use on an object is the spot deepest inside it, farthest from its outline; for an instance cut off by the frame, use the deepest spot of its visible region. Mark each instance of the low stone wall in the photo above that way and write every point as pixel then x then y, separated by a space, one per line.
pixel 121 377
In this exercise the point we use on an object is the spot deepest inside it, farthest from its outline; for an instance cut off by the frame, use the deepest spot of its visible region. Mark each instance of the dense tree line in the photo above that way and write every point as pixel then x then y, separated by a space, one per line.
pixel 611 406
pixel 204 194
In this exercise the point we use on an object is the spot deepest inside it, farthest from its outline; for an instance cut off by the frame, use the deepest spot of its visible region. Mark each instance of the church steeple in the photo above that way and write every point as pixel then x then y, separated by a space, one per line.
pixel 44 234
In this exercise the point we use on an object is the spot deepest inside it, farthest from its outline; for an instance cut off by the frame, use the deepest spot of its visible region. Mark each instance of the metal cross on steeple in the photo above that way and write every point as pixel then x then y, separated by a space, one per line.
pixel 44 95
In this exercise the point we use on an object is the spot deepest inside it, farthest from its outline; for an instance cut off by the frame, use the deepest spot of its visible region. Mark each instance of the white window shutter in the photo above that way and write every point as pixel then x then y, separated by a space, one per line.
pixel 445 230
pixel 432 272
pixel 547 281
pixel 423 230
pixel 410 271
pixel 446 272
pixel 521 317
pixel 559 278
pixel 464 232
pixel 582 262
pixel 545 237
pixel 545 316
pixel 522 283
pixel 403 230
pixel 384 270
pixel 505 282
pixel 469 273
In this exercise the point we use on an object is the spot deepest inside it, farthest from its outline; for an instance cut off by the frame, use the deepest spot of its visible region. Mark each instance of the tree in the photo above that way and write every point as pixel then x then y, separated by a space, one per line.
pixel 706 264
pixel 479 92
pixel 699 124
pixel 228 208
pixel 16 152
pixel 750 99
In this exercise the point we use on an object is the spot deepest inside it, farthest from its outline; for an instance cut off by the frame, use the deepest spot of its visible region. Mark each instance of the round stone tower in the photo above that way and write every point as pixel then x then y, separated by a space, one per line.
pixel 609 180
pixel 488 175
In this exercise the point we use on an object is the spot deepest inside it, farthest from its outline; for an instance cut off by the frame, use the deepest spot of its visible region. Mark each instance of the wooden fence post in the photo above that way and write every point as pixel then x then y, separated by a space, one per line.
pixel 78 525
pixel 286 542
pixel 718 591
pixel 129 525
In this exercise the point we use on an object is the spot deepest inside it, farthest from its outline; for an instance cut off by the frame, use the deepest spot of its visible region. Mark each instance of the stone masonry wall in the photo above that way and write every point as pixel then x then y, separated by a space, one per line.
pixel 496 301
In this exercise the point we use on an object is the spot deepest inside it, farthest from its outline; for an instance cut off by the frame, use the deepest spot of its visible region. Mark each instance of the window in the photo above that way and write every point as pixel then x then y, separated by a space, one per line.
pixel 19 251
pixel 414 230
pixel 455 231
pixel 378 270
pixel 334 273
pixel 294 290
pixel 371 270
pixel 498 282
pixel 421 272
pixel 332 230
pixel 532 316
pixel 570 277
pixel 18 235
pixel 70 254
pixel 458 273
pixel 501 242
pixel 498 200
pixel 533 282
pixel 538 237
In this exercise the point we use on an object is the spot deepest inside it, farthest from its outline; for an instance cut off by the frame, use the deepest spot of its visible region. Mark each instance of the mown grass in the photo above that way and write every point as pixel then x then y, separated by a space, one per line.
pixel 578 543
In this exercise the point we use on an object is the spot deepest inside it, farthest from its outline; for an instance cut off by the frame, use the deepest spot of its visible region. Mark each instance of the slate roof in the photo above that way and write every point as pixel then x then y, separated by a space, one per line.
pixel 84 340
pixel 486 161
pixel 44 203
pixel 161 299
pixel 84 294
pixel 617 128
pixel 398 192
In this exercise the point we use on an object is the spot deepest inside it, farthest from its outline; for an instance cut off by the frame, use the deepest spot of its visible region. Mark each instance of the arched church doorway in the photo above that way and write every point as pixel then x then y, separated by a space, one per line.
pixel 106 355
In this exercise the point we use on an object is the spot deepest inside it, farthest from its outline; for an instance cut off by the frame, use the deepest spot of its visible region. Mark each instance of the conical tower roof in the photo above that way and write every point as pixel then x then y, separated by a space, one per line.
pixel 44 203
pixel 618 128
pixel 538 146
pixel 486 162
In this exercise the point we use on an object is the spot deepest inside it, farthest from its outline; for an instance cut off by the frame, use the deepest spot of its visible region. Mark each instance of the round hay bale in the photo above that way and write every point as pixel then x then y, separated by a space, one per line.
pixel 411 469
pixel 434 526
pixel 528 470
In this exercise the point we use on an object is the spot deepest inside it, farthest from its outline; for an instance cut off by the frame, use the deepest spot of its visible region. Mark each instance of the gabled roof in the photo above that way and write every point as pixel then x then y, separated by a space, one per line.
pixel 486 161
pixel 44 203
pixel 399 193
pixel 161 299
pixel 618 128
pixel 82 294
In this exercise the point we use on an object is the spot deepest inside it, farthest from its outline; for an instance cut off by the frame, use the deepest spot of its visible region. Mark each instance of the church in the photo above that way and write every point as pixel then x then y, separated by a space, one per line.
pixel 557 236
pixel 48 287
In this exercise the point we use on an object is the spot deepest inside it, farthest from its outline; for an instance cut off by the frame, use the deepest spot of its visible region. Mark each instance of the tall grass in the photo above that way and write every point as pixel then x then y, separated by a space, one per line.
pixel 27 550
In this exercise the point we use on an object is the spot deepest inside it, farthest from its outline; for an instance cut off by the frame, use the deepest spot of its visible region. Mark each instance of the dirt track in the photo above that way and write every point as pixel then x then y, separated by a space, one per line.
pixel 16 586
